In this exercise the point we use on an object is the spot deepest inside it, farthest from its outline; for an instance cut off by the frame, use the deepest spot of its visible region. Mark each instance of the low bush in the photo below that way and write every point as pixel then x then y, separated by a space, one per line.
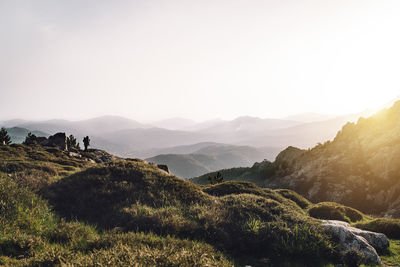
pixel 387 226
pixel 242 187
pixel 335 211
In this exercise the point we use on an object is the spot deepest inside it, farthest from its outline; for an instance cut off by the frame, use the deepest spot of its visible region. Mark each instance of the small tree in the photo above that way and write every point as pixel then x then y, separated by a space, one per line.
pixel 72 143
pixel 216 179
pixel 4 137
pixel 86 142
pixel 30 139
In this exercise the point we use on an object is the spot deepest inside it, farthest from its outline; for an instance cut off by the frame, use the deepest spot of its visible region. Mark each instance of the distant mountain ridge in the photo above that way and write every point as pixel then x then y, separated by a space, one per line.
pixel 213 157
pixel 18 134
pixel 90 126
pixel 129 138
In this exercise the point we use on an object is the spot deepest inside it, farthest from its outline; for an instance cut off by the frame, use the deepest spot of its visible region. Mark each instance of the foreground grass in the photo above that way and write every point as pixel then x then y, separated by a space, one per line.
pixel 36 166
pixel 236 218
pixel 32 235
pixel 230 226
pixel 392 257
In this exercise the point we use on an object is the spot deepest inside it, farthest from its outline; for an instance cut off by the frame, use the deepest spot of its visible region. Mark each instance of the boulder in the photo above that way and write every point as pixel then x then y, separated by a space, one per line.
pixel 74 154
pixel 43 141
pixel 163 168
pixel 352 238
pixel 58 140
pixel 378 241
pixel 100 156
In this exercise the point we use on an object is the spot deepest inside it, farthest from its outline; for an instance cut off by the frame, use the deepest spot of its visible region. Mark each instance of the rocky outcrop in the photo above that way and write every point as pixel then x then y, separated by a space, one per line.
pixel 358 168
pixel 350 238
pixel 163 167
pixel 58 140
pixel 98 156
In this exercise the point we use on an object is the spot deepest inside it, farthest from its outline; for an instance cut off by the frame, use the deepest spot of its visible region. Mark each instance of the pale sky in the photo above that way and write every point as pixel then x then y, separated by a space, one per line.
pixel 150 60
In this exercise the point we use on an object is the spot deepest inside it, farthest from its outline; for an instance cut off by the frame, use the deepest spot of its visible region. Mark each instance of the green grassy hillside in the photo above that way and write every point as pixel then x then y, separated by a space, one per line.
pixel 211 158
pixel 63 209
pixel 259 173
pixel 187 165
pixel 136 196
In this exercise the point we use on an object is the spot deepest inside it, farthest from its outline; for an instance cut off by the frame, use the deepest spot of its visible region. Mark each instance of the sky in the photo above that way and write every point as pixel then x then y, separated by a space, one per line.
pixel 150 60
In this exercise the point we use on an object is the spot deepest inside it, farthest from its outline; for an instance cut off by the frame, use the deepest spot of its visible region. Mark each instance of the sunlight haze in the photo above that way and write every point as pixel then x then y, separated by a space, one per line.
pixel 151 60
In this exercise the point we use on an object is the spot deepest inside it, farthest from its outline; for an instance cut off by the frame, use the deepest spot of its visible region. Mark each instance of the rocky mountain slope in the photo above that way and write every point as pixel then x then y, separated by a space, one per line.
pixel 360 167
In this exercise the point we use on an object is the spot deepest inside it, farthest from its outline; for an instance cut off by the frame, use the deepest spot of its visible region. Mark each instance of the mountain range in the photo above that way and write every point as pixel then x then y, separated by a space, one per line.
pixel 161 140
pixel 213 157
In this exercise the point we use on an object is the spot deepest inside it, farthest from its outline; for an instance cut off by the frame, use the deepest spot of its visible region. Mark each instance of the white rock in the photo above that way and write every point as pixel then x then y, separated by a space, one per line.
pixel 353 238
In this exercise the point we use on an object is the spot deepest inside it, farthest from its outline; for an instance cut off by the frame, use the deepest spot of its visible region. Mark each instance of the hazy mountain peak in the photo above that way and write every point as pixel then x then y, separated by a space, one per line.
pixel 176 123
pixel 247 118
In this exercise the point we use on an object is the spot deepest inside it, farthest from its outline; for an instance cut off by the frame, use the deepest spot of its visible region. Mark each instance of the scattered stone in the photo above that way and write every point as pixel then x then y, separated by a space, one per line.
pixel 74 154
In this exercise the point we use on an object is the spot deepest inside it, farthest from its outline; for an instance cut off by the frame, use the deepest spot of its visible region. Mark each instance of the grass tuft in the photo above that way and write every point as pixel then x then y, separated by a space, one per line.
pixel 335 211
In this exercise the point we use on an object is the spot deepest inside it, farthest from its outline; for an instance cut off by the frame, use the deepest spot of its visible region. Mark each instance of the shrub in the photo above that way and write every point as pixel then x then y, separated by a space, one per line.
pixel 242 187
pixel 215 179
pixel 233 187
pixel 4 137
pixel 387 226
pixel 335 211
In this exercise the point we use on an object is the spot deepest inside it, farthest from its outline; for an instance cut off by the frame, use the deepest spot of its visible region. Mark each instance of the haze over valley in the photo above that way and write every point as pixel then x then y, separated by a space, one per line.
pixel 189 148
